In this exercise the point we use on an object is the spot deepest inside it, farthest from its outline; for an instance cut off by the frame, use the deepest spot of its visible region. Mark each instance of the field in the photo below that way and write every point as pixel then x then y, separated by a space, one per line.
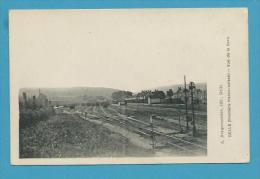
pixel 67 135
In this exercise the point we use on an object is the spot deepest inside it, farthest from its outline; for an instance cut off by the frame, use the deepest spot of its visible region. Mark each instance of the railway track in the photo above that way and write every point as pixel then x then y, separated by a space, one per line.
pixel 173 113
pixel 144 129
pixel 170 122
pixel 141 106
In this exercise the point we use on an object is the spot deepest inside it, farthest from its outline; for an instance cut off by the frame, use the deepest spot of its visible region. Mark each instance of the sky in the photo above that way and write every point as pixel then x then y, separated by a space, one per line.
pixel 122 49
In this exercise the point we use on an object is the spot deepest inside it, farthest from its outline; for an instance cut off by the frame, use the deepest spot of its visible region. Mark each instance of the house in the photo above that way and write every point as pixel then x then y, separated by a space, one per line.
pixel 199 96
pixel 152 100
pixel 131 100
pixel 122 103
pixel 119 102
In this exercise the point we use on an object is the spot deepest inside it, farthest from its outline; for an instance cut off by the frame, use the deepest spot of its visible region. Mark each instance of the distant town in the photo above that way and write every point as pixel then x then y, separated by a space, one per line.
pixel 121 98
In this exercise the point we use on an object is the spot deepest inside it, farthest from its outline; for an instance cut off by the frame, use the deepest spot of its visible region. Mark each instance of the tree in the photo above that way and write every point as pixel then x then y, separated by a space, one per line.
pixel 158 94
pixel 179 91
pixel 128 94
pixel 169 93
pixel 144 94
pixel 121 95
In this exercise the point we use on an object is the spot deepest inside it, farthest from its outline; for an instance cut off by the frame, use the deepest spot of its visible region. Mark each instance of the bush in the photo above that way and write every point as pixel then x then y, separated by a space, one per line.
pixel 29 117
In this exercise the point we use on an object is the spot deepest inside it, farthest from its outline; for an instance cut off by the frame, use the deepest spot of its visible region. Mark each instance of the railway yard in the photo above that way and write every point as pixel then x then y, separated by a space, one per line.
pixel 162 130
pixel 97 130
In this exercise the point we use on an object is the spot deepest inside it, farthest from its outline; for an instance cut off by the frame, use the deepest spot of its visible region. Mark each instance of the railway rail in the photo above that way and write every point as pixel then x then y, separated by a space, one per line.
pixel 142 128
pixel 200 123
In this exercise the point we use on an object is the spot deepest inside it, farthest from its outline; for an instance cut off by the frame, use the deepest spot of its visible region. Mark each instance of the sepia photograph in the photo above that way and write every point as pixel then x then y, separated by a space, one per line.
pixel 107 122
pixel 128 86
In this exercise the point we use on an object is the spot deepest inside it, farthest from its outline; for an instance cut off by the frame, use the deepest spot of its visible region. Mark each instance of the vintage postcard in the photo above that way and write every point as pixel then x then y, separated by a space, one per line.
pixel 129 86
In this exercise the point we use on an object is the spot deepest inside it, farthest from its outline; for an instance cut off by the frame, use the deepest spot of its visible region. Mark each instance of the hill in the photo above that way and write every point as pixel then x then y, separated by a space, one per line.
pixel 70 94
pixel 81 94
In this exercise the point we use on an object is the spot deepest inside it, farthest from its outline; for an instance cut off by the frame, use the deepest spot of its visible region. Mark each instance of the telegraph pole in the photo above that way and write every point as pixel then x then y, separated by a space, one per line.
pixel 192 86
pixel 152 132
pixel 186 104
pixel 179 115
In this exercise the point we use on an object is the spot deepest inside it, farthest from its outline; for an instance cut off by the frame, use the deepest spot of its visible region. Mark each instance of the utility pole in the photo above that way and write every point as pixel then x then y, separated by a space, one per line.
pixel 192 86
pixel 186 104
pixel 125 139
pixel 179 115
pixel 152 132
